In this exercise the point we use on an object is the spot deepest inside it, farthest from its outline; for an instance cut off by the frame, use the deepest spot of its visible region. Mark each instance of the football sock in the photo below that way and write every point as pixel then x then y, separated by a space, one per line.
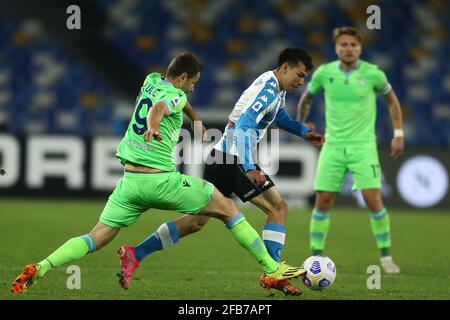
pixel 379 221
pixel 72 250
pixel 318 230
pixel 273 236
pixel 247 237
pixel 166 235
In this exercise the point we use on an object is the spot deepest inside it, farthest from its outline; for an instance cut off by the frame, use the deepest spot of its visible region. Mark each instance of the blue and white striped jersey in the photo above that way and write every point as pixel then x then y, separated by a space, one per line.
pixel 259 105
pixel 260 102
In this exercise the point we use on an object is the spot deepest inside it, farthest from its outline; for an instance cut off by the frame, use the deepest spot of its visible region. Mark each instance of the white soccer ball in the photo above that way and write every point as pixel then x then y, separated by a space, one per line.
pixel 321 272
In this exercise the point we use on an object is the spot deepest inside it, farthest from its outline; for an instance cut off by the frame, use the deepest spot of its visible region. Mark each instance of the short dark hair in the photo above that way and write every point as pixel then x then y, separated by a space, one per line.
pixel 185 62
pixel 293 56
pixel 349 31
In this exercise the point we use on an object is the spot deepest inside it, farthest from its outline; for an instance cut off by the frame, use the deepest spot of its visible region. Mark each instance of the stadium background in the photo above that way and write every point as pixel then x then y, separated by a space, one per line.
pixel 82 83
pixel 71 92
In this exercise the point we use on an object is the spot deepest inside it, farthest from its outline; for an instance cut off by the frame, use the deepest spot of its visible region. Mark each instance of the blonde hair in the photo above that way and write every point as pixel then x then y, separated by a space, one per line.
pixel 350 31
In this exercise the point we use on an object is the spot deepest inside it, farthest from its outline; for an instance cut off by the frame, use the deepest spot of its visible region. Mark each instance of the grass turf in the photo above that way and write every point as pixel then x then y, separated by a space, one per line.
pixel 211 265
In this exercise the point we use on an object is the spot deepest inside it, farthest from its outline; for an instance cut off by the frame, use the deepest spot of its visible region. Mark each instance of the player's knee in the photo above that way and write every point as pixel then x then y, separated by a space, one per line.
pixel 230 207
pixel 324 203
pixel 374 204
pixel 281 209
pixel 198 223
pixel 227 209
pixel 278 212
pixel 373 201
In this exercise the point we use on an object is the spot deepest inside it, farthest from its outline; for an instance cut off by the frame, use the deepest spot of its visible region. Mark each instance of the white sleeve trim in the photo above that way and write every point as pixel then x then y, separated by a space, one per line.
pixel 169 109
pixel 386 89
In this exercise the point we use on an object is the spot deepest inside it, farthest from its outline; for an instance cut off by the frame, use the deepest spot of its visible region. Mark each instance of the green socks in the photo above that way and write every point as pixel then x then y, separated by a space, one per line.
pixel 72 250
pixel 318 230
pixel 247 237
pixel 379 221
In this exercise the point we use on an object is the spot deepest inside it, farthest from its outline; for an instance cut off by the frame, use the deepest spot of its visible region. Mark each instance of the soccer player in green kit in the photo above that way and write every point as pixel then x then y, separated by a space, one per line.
pixel 350 86
pixel 151 181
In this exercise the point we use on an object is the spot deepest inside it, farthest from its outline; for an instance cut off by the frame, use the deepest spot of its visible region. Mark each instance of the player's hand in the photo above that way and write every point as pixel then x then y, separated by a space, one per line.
pixel 310 125
pixel 204 134
pixel 199 130
pixel 397 147
pixel 315 138
pixel 151 134
pixel 256 177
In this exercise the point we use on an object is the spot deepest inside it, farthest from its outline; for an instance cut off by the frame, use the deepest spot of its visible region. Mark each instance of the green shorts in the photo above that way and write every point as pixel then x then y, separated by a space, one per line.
pixel 335 162
pixel 135 193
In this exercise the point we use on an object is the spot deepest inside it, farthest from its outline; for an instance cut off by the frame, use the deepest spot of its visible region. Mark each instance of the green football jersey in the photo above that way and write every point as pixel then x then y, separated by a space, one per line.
pixel 350 101
pixel 155 154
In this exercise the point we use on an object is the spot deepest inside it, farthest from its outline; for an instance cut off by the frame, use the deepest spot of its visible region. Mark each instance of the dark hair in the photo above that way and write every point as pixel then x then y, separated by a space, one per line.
pixel 350 31
pixel 293 56
pixel 184 62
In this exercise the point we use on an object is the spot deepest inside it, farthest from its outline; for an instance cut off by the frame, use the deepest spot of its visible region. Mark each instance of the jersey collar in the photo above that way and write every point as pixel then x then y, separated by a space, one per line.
pixel 276 79
pixel 347 73
pixel 278 84
pixel 165 81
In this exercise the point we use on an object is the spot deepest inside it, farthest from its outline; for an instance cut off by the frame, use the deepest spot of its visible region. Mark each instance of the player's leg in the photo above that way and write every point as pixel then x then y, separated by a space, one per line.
pixel 164 237
pixel 366 173
pixel 264 197
pixel 121 210
pixel 380 224
pixel 168 234
pixel 73 250
pixel 274 233
pixel 193 195
pixel 77 247
pixel 225 210
pixel 274 230
pixel 320 220
pixel 231 178
pixel 330 175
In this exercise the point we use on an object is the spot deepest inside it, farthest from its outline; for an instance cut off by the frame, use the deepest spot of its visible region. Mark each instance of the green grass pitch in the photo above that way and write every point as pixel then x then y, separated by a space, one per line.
pixel 211 265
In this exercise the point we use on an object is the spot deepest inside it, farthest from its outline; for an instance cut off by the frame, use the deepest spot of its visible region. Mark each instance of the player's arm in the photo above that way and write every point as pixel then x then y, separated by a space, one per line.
pixel 304 106
pixel 246 137
pixel 246 140
pixel 284 121
pixel 395 112
pixel 154 117
pixel 196 123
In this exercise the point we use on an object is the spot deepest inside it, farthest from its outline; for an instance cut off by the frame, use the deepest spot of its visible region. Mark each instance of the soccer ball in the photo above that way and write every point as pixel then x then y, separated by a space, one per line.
pixel 321 272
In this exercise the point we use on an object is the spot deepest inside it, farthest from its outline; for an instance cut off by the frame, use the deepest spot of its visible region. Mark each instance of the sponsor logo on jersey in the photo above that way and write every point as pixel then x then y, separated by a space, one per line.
pixel 175 101
pixel 186 184
pixel 362 81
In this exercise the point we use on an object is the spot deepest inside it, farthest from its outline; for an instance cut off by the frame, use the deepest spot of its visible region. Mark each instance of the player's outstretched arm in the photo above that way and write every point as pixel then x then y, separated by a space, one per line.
pixel 154 117
pixel 395 112
pixel 284 121
pixel 196 122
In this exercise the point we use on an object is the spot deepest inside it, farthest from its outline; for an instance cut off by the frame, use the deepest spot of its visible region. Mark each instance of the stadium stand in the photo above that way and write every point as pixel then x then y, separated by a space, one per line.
pixel 238 40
